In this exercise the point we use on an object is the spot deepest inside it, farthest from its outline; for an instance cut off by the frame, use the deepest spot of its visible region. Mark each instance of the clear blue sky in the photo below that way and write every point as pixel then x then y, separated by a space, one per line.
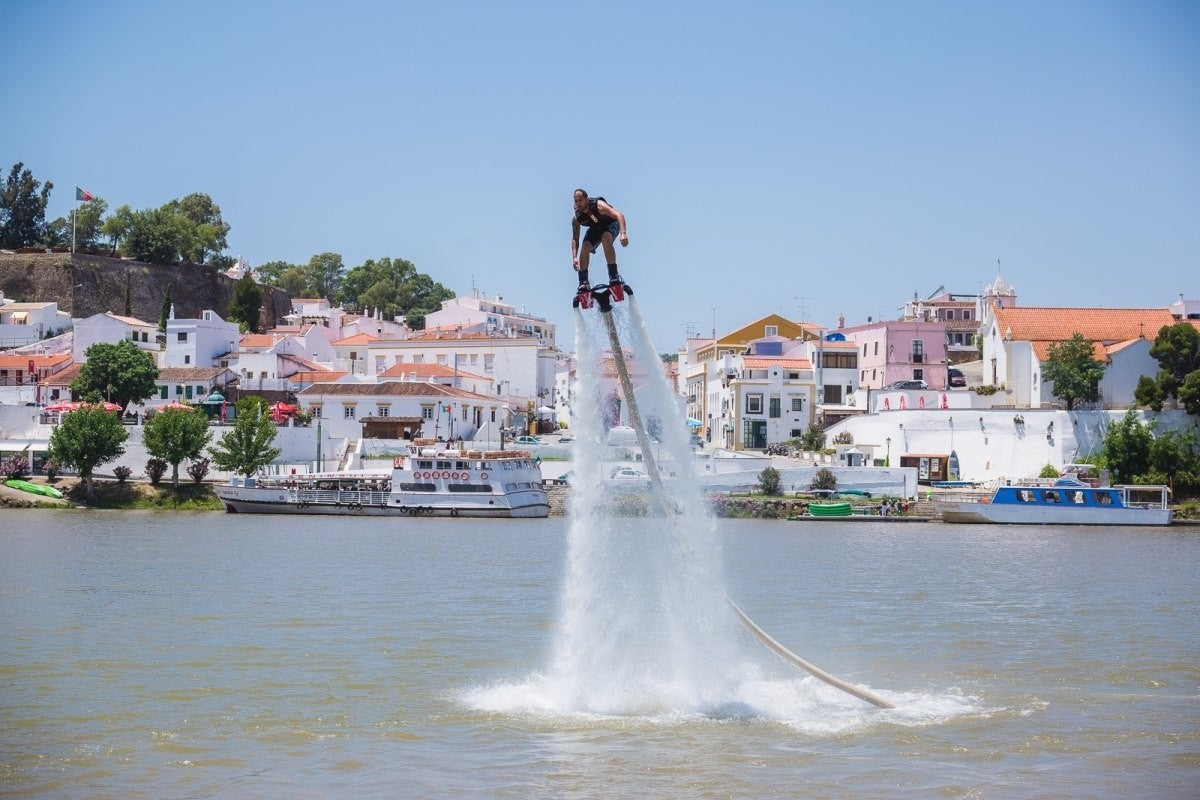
pixel 798 157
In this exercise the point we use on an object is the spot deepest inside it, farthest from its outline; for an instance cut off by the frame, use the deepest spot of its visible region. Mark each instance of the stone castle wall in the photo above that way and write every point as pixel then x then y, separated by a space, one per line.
pixel 84 285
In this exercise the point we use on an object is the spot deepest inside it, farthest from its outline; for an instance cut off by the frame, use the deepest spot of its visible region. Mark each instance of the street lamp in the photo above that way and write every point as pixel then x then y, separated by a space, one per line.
pixel 887 462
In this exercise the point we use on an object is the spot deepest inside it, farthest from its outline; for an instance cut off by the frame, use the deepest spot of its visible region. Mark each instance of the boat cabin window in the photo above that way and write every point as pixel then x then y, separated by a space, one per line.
pixel 1051 496
pixel 1026 496
pixel 1077 498
pixel 418 487
pixel 424 463
pixel 1104 498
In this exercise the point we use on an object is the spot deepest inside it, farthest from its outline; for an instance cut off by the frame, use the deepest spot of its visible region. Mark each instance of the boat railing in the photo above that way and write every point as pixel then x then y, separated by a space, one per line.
pixel 1144 496
pixel 960 496
pixel 345 497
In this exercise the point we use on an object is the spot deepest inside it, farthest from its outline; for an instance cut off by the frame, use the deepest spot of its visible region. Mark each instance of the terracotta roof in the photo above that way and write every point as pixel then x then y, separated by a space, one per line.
pixel 1119 346
pixel 440 335
pixel 256 341
pixel 312 376
pixel 424 371
pixel 40 362
pixel 1096 324
pixel 129 320
pixel 306 363
pixel 356 339
pixel 190 374
pixel 64 376
pixel 762 362
pixel 388 389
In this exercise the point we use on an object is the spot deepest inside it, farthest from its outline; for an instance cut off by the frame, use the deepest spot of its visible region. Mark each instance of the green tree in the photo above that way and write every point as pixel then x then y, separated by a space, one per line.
pixel 420 296
pixel 271 272
pixel 294 282
pixel 207 230
pixel 174 434
pixel 1074 371
pixel 87 438
pixel 117 227
pixel 247 447
pixel 158 236
pixel 164 313
pixel 57 233
pixel 246 306
pixel 120 373
pixel 1149 393
pixel 1173 454
pixel 824 478
pixel 325 275
pixel 87 230
pixel 23 202
pixel 1127 448
pixel 1177 350
pixel 768 481
pixel 1189 393
pixel 813 438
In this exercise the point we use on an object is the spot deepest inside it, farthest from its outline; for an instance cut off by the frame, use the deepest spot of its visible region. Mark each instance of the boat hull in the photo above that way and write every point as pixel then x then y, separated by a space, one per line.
pixel 253 500
pixel 1000 514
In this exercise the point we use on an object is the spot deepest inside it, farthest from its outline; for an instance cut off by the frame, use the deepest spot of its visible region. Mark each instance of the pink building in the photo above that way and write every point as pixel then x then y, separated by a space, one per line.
pixel 900 351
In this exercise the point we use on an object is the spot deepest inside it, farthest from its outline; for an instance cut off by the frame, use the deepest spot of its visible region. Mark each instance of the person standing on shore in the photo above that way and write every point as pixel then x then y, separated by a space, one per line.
pixel 604 224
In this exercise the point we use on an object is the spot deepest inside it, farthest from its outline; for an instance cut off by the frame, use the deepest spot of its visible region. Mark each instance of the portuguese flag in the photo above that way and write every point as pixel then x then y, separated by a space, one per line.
pixel 83 195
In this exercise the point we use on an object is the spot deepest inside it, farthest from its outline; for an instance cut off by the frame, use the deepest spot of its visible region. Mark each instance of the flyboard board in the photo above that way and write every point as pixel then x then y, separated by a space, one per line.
pixel 603 296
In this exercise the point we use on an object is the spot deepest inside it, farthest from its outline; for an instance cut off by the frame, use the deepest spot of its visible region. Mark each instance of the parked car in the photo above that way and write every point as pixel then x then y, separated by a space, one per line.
pixel 527 440
pixel 566 438
pixel 906 385
pixel 955 377
pixel 697 440
pixel 622 435
pixel 629 474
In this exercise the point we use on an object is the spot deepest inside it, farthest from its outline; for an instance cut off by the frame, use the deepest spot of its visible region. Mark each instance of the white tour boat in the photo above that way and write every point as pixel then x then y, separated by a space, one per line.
pixel 429 481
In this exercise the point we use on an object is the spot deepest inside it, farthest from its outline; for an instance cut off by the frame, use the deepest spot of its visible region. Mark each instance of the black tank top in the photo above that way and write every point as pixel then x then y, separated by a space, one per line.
pixel 592 215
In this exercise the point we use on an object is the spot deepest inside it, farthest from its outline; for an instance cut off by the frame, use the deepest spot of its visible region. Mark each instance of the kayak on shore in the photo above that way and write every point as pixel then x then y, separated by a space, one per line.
pixel 33 488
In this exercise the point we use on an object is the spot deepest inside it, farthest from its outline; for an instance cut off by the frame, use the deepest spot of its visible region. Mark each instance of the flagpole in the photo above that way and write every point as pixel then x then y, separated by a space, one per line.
pixel 74 213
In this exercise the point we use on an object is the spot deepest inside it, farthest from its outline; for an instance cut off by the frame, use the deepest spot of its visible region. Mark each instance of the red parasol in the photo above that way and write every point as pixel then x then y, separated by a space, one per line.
pixel 177 404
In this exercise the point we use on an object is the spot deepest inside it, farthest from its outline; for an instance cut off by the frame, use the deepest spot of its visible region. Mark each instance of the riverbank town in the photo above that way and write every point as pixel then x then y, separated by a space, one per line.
pixel 951 391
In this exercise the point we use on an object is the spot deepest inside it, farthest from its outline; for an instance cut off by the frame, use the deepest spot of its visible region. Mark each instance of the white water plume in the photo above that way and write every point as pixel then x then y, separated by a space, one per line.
pixel 644 626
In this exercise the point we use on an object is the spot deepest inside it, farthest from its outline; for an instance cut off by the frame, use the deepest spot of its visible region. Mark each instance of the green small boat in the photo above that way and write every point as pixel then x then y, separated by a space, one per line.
pixel 829 509
pixel 34 488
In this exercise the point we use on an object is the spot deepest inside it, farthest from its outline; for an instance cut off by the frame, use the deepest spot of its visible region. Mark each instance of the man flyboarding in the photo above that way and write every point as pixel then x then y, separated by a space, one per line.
pixel 604 223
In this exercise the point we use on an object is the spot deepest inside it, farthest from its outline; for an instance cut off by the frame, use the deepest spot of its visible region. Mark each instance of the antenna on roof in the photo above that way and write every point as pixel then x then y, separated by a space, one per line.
pixel 799 299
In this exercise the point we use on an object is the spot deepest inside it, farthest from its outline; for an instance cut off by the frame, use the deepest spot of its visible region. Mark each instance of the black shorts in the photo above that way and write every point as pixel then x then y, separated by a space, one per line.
pixel 595 233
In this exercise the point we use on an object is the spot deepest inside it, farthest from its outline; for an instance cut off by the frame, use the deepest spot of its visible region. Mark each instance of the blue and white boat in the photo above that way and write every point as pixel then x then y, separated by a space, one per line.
pixel 1064 502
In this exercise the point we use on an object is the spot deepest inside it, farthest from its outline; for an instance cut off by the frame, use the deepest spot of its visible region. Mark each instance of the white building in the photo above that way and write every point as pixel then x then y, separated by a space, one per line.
pixel 416 409
pixel 198 342
pixel 268 361
pixel 26 323
pixel 1018 341
pixel 109 328
pixel 477 314
pixel 518 367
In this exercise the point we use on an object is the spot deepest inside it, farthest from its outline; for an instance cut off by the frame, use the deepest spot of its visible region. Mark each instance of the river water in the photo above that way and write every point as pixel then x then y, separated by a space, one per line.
pixel 161 655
